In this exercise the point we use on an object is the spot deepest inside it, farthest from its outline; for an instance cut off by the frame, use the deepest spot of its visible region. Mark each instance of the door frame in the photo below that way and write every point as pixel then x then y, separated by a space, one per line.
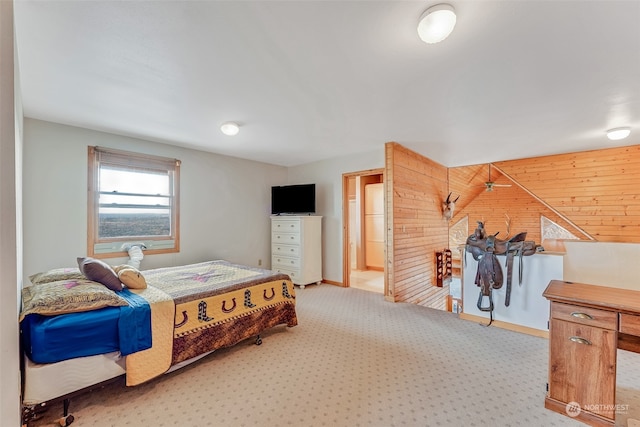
pixel 346 253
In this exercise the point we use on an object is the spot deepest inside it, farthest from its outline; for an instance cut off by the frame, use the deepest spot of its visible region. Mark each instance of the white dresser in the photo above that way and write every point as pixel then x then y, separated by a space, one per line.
pixel 296 247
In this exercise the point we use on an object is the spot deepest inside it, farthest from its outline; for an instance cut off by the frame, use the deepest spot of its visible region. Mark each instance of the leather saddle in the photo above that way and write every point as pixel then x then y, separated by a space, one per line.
pixel 485 249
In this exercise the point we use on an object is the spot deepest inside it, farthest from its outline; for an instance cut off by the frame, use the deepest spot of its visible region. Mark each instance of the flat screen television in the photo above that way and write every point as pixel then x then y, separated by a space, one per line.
pixel 293 199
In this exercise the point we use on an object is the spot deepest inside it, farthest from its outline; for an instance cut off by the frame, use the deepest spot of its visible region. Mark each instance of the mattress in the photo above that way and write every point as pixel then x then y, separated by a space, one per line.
pixel 50 339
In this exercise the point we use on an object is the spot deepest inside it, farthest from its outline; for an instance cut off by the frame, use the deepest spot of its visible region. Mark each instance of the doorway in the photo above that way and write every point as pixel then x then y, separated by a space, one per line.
pixel 364 209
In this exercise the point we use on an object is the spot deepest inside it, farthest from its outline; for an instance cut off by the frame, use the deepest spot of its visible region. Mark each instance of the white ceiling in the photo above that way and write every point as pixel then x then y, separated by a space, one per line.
pixel 311 80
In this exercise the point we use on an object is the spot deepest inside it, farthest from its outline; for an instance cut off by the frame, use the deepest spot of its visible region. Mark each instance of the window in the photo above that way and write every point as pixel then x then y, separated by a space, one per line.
pixel 132 198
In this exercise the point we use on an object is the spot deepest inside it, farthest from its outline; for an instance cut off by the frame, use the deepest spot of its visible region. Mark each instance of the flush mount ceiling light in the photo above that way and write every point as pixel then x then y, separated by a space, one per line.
pixel 230 128
pixel 436 23
pixel 618 133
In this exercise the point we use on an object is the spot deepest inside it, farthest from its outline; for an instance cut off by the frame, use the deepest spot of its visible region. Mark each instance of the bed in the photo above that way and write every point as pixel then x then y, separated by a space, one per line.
pixel 183 313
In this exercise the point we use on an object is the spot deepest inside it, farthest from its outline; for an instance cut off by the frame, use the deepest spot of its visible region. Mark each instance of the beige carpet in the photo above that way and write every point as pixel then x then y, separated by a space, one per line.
pixel 354 360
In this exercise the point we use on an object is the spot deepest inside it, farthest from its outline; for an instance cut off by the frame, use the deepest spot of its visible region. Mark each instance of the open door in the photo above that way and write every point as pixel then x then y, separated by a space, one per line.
pixel 363 238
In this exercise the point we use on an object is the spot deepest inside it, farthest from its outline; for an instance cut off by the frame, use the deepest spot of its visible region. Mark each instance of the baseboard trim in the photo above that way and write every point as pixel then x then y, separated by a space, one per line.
pixel 505 325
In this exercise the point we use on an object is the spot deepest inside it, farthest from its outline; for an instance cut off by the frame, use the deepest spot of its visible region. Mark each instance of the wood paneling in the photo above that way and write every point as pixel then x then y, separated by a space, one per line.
pixel 599 190
pixel 593 194
pixel 415 189
pixel 505 210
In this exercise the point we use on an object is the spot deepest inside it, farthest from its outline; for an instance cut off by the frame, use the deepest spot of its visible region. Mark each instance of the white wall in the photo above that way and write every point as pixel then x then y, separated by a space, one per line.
pixel 224 201
pixel 527 305
pixel 9 224
pixel 327 175
pixel 600 263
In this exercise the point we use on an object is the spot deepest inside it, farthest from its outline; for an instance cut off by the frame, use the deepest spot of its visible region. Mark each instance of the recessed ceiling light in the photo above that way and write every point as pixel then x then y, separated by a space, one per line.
pixel 618 133
pixel 230 128
pixel 436 23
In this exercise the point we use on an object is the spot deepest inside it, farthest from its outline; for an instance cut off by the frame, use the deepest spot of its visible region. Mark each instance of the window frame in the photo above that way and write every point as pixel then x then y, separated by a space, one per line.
pixel 114 247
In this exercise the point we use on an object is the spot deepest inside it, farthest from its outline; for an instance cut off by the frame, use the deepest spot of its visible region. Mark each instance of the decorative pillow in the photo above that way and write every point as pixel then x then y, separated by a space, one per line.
pixel 99 271
pixel 67 296
pixel 56 274
pixel 131 277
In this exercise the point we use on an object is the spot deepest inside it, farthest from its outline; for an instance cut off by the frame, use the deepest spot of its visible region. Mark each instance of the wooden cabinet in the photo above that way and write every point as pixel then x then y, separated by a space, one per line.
pixel 588 324
pixel 586 338
pixel 296 248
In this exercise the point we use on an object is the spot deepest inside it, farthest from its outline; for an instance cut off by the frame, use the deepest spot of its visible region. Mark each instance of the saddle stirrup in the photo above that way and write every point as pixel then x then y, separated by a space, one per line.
pixel 489 308
pixel 480 298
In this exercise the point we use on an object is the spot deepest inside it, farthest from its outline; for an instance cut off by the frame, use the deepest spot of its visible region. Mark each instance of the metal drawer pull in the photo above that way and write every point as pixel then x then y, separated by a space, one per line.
pixel 580 340
pixel 581 315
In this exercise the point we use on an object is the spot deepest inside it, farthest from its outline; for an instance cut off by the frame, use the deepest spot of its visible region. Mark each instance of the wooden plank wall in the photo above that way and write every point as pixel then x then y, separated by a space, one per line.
pixel 505 210
pixel 597 190
pixel 415 189
pixel 593 194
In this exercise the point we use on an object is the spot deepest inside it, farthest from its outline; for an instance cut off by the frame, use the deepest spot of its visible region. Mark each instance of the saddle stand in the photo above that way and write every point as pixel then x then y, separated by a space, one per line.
pixel 489 276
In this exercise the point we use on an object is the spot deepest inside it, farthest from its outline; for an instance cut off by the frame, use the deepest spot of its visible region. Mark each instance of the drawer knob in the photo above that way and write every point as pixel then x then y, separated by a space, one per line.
pixel 579 340
pixel 581 315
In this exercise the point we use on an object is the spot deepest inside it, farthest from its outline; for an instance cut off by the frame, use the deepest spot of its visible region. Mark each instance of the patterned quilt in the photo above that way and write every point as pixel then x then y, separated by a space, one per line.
pixel 217 304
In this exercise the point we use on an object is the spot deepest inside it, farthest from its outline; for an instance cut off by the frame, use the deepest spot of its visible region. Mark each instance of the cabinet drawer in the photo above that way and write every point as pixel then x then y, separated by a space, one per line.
pixel 287 226
pixel 630 324
pixel 585 315
pixel 292 273
pixel 285 238
pixel 288 250
pixel 287 262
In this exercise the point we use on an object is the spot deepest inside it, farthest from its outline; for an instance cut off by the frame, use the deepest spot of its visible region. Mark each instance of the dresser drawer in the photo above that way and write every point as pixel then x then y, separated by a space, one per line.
pixel 585 315
pixel 292 273
pixel 630 324
pixel 285 238
pixel 287 262
pixel 285 226
pixel 287 250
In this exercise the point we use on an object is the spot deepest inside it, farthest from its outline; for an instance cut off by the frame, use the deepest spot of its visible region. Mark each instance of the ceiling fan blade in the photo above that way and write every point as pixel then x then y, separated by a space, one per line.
pixel 490 185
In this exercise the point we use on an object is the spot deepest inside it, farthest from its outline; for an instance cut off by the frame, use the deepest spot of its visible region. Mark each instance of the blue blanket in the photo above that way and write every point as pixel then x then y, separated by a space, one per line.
pixel 134 324
pixel 49 339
